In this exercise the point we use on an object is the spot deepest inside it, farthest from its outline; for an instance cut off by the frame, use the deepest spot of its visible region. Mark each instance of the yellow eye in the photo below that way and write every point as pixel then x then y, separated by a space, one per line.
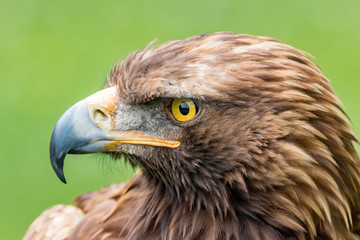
pixel 183 109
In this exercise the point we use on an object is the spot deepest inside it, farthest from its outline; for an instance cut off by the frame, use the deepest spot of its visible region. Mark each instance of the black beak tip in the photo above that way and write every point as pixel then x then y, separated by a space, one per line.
pixel 58 164
pixel 57 157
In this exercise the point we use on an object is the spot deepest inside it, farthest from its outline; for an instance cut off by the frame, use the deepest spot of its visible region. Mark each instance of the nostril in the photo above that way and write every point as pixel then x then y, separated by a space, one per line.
pixel 100 116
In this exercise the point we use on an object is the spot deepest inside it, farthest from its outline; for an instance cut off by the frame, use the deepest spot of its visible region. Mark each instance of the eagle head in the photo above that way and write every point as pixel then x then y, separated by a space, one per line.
pixel 244 129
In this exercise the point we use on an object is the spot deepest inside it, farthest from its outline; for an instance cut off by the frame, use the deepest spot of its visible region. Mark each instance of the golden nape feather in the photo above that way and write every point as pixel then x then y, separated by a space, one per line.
pixel 236 137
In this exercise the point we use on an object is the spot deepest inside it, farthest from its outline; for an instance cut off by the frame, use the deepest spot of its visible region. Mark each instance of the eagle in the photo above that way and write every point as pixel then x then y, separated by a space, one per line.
pixel 235 137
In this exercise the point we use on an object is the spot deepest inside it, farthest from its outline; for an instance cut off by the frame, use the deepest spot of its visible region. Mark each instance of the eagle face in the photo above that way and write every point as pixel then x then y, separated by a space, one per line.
pixel 248 122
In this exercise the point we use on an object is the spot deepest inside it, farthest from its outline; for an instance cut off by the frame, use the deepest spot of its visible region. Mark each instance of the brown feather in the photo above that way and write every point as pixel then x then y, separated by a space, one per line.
pixel 271 158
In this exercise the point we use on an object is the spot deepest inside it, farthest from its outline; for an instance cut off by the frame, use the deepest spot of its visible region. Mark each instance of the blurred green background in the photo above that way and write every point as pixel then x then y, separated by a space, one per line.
pixel 55 53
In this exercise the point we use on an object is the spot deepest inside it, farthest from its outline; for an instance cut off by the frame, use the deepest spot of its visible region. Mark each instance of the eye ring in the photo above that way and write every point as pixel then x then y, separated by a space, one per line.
pixel 182 109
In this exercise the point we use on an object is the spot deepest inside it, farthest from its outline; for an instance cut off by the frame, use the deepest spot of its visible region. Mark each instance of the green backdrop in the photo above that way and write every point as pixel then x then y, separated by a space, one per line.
pixel 54 53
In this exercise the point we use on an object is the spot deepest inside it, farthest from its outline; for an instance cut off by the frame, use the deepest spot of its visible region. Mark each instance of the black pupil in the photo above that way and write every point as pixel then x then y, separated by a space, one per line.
pixel 184 108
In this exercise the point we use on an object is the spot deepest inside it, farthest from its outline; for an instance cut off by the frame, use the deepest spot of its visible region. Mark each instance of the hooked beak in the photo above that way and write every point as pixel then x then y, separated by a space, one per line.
pixel 88 127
